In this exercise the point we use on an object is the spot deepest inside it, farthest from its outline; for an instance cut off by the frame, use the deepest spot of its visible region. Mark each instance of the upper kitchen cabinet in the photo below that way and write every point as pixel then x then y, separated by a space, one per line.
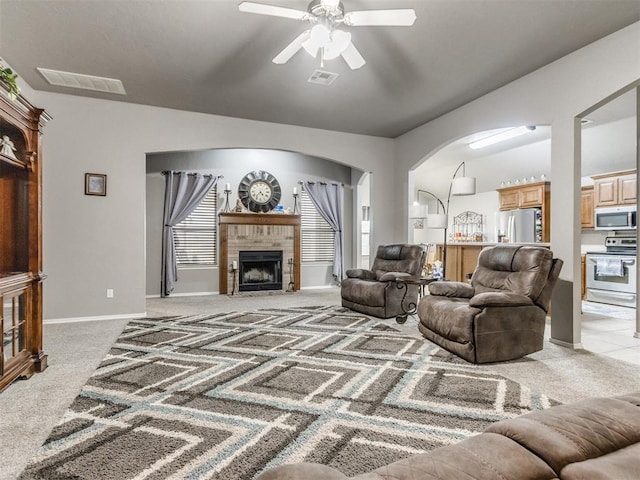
pixel 613 189
pixel 531 195
pixel 587 204
pixel 524 196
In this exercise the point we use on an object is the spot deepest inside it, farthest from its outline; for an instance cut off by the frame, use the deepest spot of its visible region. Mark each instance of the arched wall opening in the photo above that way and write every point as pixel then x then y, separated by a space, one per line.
pixel 233 164
pixel 521 160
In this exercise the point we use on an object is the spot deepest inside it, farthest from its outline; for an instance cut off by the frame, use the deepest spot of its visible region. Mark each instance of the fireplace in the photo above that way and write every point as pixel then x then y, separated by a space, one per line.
pixel 259 270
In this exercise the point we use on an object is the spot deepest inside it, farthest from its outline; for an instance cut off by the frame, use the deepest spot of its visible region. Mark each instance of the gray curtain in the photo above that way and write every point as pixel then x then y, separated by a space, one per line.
pixel 328 200
pixel 183 193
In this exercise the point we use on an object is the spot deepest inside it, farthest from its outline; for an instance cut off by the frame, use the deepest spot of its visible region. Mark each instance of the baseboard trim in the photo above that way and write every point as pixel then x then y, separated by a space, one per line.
pixel 97 318
pixel 194 294
pixel 574 346
pixel 202 294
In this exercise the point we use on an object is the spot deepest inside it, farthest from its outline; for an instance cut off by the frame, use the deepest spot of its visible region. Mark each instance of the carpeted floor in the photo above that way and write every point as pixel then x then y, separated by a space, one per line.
pixel 226 396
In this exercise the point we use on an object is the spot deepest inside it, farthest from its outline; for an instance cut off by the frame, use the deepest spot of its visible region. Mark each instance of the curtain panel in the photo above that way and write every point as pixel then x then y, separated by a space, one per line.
pixel 183 193
pixel 329 201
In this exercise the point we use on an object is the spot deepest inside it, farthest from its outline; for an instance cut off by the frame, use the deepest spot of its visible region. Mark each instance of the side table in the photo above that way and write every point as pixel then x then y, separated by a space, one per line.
pixel 411 308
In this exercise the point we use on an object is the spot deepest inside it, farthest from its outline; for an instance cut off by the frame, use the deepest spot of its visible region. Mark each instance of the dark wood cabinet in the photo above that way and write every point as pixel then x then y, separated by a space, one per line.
pixel 20 238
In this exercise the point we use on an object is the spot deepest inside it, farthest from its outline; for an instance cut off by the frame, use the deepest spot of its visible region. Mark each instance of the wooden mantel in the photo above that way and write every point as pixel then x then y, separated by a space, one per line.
pixel 229 240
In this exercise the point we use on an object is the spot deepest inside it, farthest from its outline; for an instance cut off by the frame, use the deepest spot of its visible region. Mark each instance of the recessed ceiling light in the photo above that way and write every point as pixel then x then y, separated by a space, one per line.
pixel 85 82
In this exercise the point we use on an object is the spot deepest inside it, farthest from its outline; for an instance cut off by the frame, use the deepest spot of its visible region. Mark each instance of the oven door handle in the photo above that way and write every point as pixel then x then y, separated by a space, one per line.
pixel 629 262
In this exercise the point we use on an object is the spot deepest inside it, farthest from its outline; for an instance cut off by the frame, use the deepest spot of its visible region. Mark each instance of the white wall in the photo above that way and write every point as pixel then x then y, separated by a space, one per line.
pixel 485 203
pixel 94 243
pixel 555 94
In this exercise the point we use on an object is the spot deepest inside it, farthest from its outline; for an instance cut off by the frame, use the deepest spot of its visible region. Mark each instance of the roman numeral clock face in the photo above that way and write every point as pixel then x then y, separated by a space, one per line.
pixel 259 191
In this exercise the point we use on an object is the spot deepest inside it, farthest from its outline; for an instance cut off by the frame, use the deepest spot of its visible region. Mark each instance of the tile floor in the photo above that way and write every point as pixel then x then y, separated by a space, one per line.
pixel 608 330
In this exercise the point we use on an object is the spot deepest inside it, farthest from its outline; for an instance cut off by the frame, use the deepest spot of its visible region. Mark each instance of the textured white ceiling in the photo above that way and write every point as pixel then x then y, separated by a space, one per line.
pixel 206 56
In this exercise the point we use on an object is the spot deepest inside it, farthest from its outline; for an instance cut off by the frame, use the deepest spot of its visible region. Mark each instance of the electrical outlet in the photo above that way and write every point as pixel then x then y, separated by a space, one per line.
pixel 109 292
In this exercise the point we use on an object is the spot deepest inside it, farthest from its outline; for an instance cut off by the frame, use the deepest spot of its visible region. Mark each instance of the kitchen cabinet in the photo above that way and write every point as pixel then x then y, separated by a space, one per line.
pixel 21 274
pixel 461 260
pixel 612 189
pixel 532 195
pixel 587 205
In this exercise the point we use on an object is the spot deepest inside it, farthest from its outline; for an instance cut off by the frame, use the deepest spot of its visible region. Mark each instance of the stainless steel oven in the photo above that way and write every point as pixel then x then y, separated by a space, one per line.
pixel 611 275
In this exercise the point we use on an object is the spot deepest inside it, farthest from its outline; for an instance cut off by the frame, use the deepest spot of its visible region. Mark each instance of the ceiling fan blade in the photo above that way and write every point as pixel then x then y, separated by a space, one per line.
pixel 290 50
pixel 261 9
pixel 402 17
pixel 352 56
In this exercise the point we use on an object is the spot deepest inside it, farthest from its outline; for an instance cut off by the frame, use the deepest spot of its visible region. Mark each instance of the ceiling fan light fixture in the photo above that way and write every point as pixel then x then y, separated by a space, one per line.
pixel 320 37
pixel 332 42
pixel 340 40
pixel 325 16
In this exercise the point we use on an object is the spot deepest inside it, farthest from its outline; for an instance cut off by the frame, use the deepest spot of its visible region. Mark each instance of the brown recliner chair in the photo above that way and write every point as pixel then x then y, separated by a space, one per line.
pixel 501 314
pixel 375 292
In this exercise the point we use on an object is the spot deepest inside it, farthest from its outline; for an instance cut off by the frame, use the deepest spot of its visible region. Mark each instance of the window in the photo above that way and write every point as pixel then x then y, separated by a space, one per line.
pixel 317 235
pixel 195 237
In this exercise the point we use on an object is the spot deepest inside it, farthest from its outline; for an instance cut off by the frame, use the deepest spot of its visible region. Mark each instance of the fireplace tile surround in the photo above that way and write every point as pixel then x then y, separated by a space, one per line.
pixel 258 232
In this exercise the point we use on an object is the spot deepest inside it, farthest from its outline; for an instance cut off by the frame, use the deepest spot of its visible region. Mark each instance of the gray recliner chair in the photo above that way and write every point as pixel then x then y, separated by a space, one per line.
pixel 375 292
pixel 501 314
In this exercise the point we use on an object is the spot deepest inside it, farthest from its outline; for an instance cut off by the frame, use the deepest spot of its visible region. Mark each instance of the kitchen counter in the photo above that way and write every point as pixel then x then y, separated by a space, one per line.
pixel 462 257
pixel 491 244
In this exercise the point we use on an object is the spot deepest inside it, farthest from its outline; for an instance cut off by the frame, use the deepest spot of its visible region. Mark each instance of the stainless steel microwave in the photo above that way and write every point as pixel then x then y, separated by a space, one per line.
pixel 615 218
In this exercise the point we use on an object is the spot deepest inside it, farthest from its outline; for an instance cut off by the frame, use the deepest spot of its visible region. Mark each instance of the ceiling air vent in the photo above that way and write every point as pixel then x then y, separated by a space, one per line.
pixel 322 78
pixel 86 82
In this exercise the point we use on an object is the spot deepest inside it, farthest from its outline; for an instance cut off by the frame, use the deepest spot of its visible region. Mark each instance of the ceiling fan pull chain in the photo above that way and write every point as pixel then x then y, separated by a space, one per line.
pixel 321 57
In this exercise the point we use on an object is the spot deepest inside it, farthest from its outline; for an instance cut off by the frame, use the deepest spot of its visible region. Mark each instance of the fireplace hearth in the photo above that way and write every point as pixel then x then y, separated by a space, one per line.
pixel 259 270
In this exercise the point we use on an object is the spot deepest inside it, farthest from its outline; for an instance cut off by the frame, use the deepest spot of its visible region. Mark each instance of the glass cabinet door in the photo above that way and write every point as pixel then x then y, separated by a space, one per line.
pixel 13 321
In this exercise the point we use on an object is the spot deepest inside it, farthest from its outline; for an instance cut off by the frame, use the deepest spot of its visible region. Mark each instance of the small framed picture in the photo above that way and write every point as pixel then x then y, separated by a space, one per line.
pixel 95 184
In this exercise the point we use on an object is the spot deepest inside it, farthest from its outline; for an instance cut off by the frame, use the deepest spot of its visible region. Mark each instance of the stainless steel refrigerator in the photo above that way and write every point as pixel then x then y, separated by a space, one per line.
pixel 522 225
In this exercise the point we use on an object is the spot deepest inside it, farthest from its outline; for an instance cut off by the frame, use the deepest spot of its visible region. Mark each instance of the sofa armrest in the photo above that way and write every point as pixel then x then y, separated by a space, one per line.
pixel 499 299
pixel 302 471
pixel 361 273
pixel 451 289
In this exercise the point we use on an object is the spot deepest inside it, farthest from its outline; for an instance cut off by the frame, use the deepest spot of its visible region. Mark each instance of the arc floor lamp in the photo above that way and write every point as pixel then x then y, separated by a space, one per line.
pixel 459 186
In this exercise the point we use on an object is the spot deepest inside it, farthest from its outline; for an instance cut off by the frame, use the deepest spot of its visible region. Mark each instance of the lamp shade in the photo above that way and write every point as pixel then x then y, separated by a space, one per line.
pixel 418 210
pixel 463 186
pixel 436 220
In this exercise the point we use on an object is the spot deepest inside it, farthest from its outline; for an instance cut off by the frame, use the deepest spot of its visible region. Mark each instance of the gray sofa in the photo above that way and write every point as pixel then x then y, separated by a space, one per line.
pixel 594 439
pixel 501 314
pixel 375 292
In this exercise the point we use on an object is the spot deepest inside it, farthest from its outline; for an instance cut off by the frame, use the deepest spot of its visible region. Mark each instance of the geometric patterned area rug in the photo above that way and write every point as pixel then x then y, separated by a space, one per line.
pixel 226 396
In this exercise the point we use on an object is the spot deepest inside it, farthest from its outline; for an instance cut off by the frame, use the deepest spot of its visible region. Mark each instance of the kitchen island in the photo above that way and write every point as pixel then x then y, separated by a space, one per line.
pixel 462 257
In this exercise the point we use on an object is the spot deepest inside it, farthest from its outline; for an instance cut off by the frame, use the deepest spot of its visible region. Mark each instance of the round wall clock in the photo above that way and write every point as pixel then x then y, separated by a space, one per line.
pixel 259 191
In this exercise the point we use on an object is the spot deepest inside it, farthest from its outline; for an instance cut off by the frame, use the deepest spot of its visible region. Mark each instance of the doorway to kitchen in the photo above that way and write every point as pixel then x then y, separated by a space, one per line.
pixel 610 323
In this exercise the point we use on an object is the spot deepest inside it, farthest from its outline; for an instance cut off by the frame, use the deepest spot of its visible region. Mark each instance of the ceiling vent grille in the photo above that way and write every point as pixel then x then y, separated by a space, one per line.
pixel 86 82
pixel 321 77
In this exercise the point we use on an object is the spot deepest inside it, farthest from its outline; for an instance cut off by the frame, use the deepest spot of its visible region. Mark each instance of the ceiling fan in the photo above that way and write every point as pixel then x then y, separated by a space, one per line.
pixel 324 37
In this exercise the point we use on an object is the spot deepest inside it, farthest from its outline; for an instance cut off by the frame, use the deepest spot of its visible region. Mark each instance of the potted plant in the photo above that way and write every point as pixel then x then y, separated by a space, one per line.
pixel 9 78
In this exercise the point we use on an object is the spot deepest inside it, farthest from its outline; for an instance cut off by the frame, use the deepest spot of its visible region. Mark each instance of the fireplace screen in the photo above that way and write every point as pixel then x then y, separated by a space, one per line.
pixel 260 270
